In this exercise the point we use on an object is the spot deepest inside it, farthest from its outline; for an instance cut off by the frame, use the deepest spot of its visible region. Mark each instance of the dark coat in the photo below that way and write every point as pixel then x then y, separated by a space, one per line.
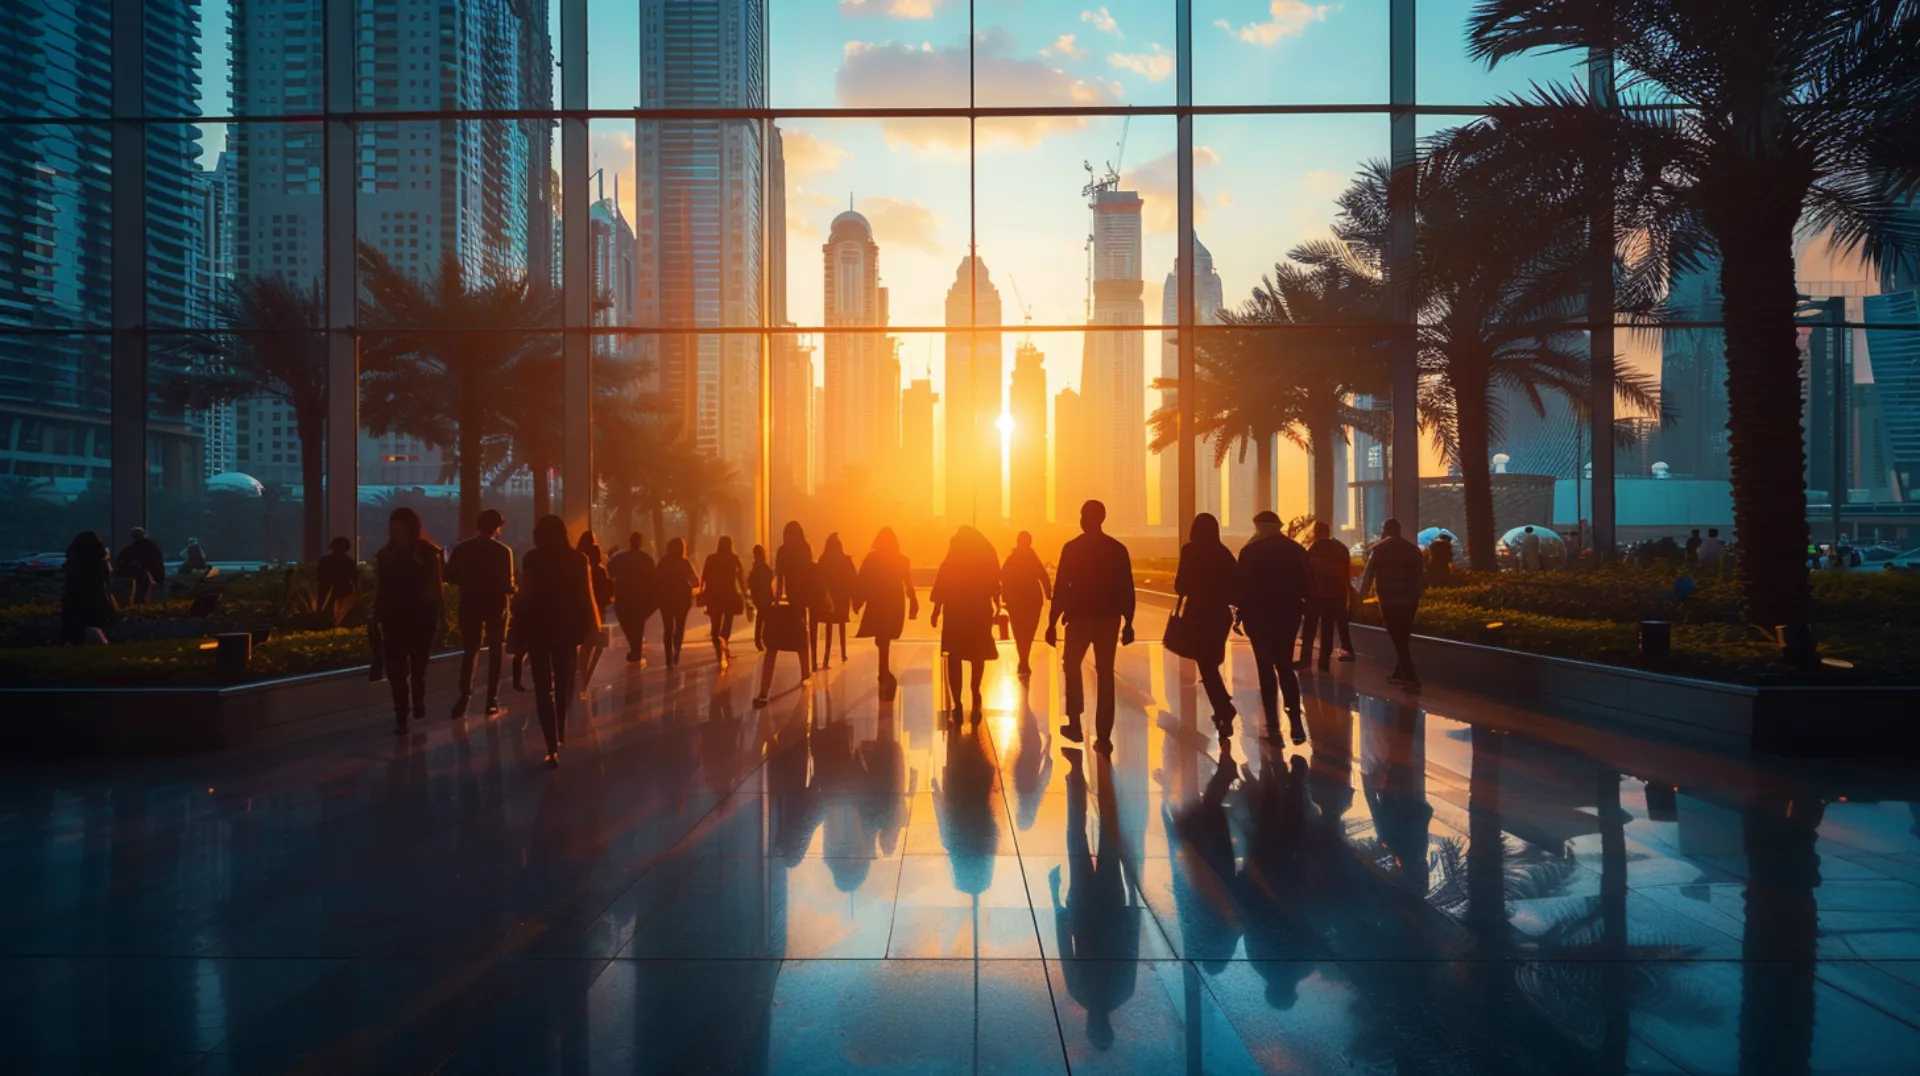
pixel 1273 582
pixel 141 556
pixel 1209 580
pixel 965 591
pixel 482 568
pixel 884 591
pixel 720 585
pixel 1095 579
pixel 556 607
pixel 1394 571
pixel 407 593
pixel 632 572
pixel 86 600
pixel 1023 581
pixel 674 583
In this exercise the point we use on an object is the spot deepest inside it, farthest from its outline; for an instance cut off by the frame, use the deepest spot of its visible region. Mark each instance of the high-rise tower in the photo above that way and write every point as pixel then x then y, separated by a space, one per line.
pixel 854 425
pixel 1209 297
pixel 973 395
pixel 1113 375
pixel 1027 450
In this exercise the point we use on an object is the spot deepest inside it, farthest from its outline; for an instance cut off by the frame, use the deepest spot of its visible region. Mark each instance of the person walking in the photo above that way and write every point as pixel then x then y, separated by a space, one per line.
pixel 632 572
pixel 1529 550
pixel 1273 594
pixel 1690 553
pixel 1208 584
pixel 482 567
pixel 1708 557
pixel 337 576
pixel 674 582
pixel 141 561
pixel 559 612
pixel 1393 569
pixel 193 558
pixel 834 598
pixel 721 584
pixel 408 607
pixel 967 592
pixel 1329 591
pixel 1093 593
pixel 886 600
pixel 594 647
pixel 1025 590
pixel 1439 573
pixel 794 579
pixel 86 596
pixel 760 592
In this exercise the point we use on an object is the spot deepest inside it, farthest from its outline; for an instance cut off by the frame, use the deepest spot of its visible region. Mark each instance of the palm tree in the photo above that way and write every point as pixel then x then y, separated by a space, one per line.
pixel 269 344
pixel 1789 112
pixel 639 446
pixel 1241 398
pixel 444 358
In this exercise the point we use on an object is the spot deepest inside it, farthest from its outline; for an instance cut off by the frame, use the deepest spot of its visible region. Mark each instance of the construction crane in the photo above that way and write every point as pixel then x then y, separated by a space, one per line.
pixel 1096 185
pixel 1026 313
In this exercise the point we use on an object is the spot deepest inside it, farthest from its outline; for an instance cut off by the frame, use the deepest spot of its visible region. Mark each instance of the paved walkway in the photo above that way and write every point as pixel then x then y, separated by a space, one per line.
pixel 1433 884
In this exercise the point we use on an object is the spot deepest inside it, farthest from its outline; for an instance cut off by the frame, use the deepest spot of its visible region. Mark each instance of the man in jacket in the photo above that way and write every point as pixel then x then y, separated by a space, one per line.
pixel 142 562
pixel 1330 587
pixel 632 572
pixel 1393 568
pixel 482 567
pixel 1093 592
pixel 1273 592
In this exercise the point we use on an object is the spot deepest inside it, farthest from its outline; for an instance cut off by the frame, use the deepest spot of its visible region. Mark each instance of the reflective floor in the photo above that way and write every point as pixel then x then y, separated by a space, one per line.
pixel 837 883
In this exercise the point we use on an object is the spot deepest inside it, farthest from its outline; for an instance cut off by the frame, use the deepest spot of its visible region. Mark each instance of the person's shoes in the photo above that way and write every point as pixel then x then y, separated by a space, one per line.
pixel 460 707
pixel 493 705
pixel 553 760
pixel 1411 683
pixel 400 726
pixel 1396 678
pixel 1303 663
pixel 1324 665
pixel 1071 733
pixel 1271 733
pixel 1025 671
pixel 518 686
pixel 1299 734
pixel 759 702
pixel 633 657
pixel 1347 655
pixel 1103 745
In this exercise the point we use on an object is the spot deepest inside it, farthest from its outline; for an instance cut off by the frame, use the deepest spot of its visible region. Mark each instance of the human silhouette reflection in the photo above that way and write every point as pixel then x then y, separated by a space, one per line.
pixel 883 766
pixel 838 779
pixel 1267 890
pixel 1395 784
pixel 1203 873
pixel 722 758
pixel 793 804
pixel 1779 944
pixel 963 808
pixel 1032 761
pixel 1097 932
pixel 1330 769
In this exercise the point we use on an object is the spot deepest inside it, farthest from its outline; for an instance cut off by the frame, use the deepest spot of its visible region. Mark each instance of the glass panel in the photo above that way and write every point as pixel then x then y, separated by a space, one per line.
pixel 1685 485
pixel 650 54
pixel 868 53
pixel 1447 76
pixel 419 55
pixel 217 58
pixel 1289 52
pixel 55 61
pixel 1119 53
pixel 55 465
pixel 686 464
pixel 56 226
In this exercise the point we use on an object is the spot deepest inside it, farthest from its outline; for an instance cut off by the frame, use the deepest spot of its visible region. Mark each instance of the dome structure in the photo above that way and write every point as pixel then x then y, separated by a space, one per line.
pixel 1553 549
pixel 234 482
pixel 849 222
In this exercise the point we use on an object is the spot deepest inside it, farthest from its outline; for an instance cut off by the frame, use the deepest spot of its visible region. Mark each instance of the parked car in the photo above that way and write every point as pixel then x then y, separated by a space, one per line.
pixel 1905 562
pixel 37 562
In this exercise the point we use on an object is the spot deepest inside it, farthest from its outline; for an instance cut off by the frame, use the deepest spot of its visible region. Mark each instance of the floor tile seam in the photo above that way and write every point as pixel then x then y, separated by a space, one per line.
pixel 1033 910
pixel 1861 998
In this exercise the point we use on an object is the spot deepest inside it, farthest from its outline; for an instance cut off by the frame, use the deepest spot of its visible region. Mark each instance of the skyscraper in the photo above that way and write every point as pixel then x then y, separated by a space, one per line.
pixel 1027 450
pixel 615 280
pixel 1826 374
pixel 1209 297
pixel 855 431
pixel 915 476
pixel 973 395
pixel 1071 461
pixel 1693 379
pixel 791 449
pixel 1113 375
pixel 1894 352
pixel 700 214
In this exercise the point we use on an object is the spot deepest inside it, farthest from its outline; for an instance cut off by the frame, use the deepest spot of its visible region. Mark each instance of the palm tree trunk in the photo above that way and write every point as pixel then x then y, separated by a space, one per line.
pixel 310 424
pixel 1263 473
pixel 1766 451
pixel 1476 483
pixel 469 437
pixel 542 491
pixel 1780 937
pixel 1323 440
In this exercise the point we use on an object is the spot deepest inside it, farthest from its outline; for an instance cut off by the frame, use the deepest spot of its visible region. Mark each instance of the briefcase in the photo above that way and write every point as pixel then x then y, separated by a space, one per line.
pixel 1183 632
pixel 786 627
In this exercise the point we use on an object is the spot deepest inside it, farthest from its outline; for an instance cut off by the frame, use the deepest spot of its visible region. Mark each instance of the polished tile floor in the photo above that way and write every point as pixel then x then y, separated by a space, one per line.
pixel 1434 884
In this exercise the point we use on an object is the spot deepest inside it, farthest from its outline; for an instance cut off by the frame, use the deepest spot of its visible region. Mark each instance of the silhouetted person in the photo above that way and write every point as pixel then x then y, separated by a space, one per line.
pixel 1093 592
pixel 594 647
pixel 1273 594
pixel 632 571
pixel 86 598
pixel 1711 552
pixel 1393 569
pixel 966 592
pixel 337 577
pixel 141 561
pixel 1529 550
pixel 1025 590
pixel 1691 554
pixel 407 605
pixel 1098 934
pixel 834 604
pixel 721 585
pixel 1329 590
pixel 1439 572
pixel 760 590
pixel 482 567
pixel 559 611
pixel 1209 580
pixel 192 557
pixel 794 582
pixel 674 582
pixel 886 600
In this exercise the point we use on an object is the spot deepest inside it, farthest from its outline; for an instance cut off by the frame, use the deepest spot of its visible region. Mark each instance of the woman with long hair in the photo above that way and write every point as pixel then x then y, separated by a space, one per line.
pixel 86 601
pixel 721 582
pixel 1207 580
pixel 590 649
pixel 674 582
pixel 408 607
pixel 885 595
pixel 833 598
pixel 560 611
pixel 967 591
pixel 794 582
pixel 760 589
pixel 1025 589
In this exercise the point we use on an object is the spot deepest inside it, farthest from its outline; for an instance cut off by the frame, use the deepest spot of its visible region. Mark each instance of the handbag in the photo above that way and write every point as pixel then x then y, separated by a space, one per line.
pixel 1183 632
pixel 786 627
pixel 1003 624
pixel 600 637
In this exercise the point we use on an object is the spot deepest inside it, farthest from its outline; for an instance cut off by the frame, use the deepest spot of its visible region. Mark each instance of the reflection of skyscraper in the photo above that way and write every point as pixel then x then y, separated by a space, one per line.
pixel 1693 379
pixel 700 217
pixel 1027 452
pixel 1895 355
pixel 973 395
pixel 854 432
pixel 1070 456
pixel 1209 297
pixel 1113 375
pixel 793 435
pixel 1826 373
pixel 614 280
pixel 915 474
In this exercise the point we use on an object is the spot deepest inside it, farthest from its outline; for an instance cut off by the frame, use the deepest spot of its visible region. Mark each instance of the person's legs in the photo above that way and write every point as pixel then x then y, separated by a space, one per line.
pixel 760 629
pixel 979 671
pixel 1071 657
pixel 542 660
pixel 1399 623
pixel 1106 642
pixel 885 649
pixel 766 674
pixel 1328 613
pixel 496 626
pixel 395 645
pixel 843 642
pixel 1346 632
pixel 1271 651
pixel 470 643
pixel 1306 636
pixel 1026 622
pixel 419 652
pixel 563 663
pixel 1290 691
pixel 1217 692
pixel 953 684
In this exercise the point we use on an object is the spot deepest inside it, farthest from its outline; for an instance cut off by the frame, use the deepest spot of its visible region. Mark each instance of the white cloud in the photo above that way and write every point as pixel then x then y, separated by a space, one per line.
pixel 1065 45
pixel 1158 182
pixel 1224 199
pixel 892 75
pixel 899 9
pixel 902 225
pixel 807 211
pixel 1155 65
pixel 1102 21
pixel 1323 183
pixel 1285 18
pixel 807 154
pixel 611 148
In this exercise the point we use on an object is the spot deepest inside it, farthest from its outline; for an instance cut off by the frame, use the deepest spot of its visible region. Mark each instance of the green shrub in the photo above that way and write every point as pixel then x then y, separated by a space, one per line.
pixel 177 662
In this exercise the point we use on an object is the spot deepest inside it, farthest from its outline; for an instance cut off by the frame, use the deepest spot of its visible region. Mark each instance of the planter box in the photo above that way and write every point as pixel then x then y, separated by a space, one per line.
pixel 179 720
pixel 1809 722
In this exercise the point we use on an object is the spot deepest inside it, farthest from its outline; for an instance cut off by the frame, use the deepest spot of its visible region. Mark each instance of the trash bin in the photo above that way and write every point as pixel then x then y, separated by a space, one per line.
pixel 232 653
pixel 1656 641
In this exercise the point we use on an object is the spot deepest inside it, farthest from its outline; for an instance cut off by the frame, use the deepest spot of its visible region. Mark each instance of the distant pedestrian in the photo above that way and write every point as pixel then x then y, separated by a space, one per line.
pixel 833 606
pixel 1093 593
pixel 141 561
pixel 760 591
pixel 482 567
pixel 1529 550
pixel 337 576
pixel 193 558
pixel 1207 582
pixel 1329 592
pixel 674 582
pixel 1273 595
pixel 1710 555
pixel 559 610
pixel 886 600
pixel 1691 557
pixel 1439 573
pixel 632 571
pixel 1393 569
pixel 1025 590
pixel 967 592
pixel 722 582
pixel 596 643
pixel 86 598
pixel 408 608
pixel 794 583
